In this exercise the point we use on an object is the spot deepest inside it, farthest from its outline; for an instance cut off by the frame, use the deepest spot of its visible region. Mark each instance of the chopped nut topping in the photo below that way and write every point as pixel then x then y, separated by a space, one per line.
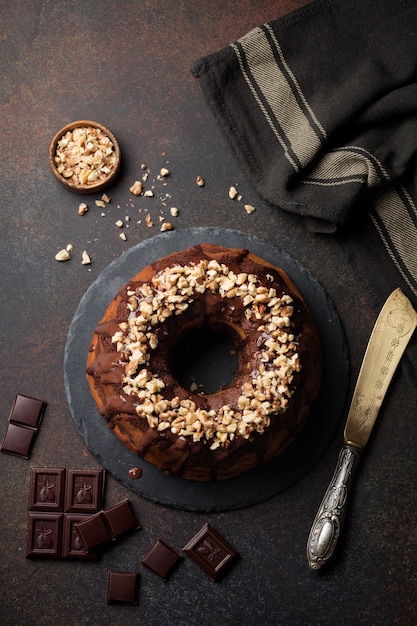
pixel 164 172
pixel 100 203
pixel 85 258
pixel 148 193
pixel 83 208
pixel 85 156
pixel 62 255
pixel 169 293
pixel 119 224
pixel 200 181
pixel 249 208
pixel 232 193
pixel 166 226
pixel 174 211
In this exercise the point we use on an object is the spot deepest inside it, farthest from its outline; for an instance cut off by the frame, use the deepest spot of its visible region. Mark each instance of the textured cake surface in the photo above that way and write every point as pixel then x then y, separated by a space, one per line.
pixel 184 431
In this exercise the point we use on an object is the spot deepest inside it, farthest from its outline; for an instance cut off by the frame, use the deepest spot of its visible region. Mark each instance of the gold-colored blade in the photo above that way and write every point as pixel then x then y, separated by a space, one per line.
pixel 392 332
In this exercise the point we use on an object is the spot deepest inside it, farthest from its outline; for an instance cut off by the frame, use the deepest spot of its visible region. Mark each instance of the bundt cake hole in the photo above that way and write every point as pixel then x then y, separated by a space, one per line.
pixel 205 357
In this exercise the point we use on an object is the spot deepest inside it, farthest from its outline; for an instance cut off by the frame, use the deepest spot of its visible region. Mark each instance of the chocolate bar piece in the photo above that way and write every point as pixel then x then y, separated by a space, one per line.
pixel 72 545
pixel 122 588
pixel 23 424
pixel 57 503
pixel 44 534
pixel 107 525
pixel 84 490
pixel 46 491
pixel 211 552
pixel 162 559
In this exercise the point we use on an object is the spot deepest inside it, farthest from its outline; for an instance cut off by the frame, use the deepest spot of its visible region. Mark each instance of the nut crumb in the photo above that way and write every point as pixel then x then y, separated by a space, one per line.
pixel 200 181
pixel 166 226
pixel 148 220
pixel 119 224
pixel 69 247
pixel 136 188
pixel 232 193
pixel 101 204
pixel 85 258
pixel 105 198
pixel 174 211
pixel 83 208
pixel 148 194
pixel 249 208
pixel 164 172
pixel 62 255
pixel 123 236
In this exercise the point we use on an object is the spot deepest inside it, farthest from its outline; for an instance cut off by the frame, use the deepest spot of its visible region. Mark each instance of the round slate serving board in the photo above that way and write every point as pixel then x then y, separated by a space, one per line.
pixel 256 485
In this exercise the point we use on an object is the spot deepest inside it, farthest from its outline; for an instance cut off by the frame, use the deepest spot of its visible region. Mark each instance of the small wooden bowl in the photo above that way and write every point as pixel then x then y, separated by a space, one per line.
pixel 71 183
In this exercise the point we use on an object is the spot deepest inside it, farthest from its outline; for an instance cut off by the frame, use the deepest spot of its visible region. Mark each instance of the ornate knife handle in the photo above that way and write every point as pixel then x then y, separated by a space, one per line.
pixel 328 523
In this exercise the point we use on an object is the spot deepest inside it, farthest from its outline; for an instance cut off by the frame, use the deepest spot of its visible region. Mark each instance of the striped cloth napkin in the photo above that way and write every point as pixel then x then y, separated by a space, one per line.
pixel 320 109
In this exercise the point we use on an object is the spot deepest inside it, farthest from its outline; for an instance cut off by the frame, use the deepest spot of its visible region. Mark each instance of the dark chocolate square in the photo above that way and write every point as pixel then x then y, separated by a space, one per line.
pixel 161 559
pixel 120 518
pixel 122 587
pixel 84 490
pixel 46 492
pixel 211 552
pixel 18 440
pixel 93 531
pixel 72 545
pixel 27 411
pixel 44 535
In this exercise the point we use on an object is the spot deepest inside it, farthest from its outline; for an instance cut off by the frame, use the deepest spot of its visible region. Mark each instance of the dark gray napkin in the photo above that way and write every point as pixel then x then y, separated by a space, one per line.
pixel 320 109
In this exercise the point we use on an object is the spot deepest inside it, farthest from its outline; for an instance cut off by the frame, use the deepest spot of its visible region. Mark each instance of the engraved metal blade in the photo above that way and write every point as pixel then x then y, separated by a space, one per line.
pixel 392 332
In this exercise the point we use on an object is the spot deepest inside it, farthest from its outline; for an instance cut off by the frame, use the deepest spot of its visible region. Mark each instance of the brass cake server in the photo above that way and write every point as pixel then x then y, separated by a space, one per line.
pixel 392 331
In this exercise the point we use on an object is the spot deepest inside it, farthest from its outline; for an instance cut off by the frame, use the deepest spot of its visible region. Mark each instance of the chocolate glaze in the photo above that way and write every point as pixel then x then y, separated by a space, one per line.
pixel 181 454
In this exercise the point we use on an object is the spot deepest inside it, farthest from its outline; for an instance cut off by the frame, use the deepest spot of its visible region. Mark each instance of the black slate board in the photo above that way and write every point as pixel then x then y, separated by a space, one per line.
pixel 256 485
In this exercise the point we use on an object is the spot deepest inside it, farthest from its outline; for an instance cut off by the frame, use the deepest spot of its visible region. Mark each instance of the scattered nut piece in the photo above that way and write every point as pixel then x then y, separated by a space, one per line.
pixel 143 166
pixel 164 171
pixel 148 194
pixel 101 204
pixel 123 236
pixel 166 226
pixel 148 220
pixel 69 247
pixel 119 224
pixel 105 198
pixel 200 181
pixel 232 193
pixel 249 208
pixel 136 188
pixel 62 255
pixel 85 258
pixel 83 208
pixel 174 211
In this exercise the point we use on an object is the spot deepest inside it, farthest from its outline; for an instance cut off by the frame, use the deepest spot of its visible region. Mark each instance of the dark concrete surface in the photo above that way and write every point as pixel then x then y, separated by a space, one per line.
pixel 126 64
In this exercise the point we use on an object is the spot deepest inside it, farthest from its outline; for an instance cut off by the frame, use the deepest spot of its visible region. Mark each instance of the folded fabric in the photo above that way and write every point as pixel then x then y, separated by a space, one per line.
pixel 320 109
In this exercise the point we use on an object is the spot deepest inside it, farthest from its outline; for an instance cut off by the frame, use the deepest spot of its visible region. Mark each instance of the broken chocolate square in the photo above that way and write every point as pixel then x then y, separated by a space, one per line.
pixel 46 491
pixel 27 411
pixel 93 531
pixel 72 544
pixel 44 534
pixel 84 490
pixel 122 587
pixel 120 518
pixel 24 420
pixel 211 552
pixel 18 440
pixel 161 559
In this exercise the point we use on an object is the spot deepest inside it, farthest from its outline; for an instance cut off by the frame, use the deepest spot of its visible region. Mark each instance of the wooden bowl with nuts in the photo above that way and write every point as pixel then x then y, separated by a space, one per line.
pixel 84 156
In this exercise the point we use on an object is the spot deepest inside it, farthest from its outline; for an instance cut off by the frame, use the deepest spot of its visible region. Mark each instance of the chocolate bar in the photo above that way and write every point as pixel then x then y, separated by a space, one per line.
pixel 162 559
pixel 23 424
pixel 122 587
pixel 211 552
pixel 54 495
pixel 107 525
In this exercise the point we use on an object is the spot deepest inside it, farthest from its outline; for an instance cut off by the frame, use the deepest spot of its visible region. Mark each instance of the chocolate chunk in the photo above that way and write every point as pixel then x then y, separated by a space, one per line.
pixel 211 552
pixel 120 518
pixel 46 492
pixel 107 525
pixel 161 559
pixel 84 491
pixel 24 420
pixel 18 440
pixel 122 587
pixel 72 545
pixel 44 535
pixel 93 531
pixel 27 411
